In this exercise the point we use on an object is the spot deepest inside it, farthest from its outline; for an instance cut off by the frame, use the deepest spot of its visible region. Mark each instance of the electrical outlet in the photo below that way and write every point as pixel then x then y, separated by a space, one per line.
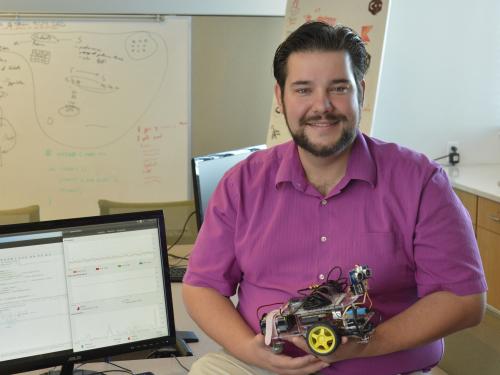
pixel 453 152
pixel 452 144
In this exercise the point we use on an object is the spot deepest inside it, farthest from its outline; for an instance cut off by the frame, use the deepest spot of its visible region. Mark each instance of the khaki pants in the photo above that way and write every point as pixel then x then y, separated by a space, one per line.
pixel 222 363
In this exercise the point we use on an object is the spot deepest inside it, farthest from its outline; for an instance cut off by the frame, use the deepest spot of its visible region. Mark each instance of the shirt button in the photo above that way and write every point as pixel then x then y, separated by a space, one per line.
pixel 323 238
pixel 324 202
pixel 321 276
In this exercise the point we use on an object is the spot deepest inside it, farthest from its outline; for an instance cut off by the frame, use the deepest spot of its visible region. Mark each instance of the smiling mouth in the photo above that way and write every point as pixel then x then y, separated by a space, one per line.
pixel 323 124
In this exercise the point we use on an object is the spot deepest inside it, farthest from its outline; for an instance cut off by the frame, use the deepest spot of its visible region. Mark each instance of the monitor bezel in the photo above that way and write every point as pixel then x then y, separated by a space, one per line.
pixel 68 356
pixel 196 193
pixel 196 179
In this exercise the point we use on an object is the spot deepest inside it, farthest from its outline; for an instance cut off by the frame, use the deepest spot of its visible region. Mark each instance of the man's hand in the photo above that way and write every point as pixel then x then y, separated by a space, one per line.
pixel 212 311
pixel 282 364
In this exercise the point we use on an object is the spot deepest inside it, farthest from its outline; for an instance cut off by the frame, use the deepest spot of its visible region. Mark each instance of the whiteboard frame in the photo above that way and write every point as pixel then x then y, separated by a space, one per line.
pixel 172 7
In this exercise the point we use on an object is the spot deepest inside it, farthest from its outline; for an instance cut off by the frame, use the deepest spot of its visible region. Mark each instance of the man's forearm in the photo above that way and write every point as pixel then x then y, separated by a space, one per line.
pixel 217 317
pixel 432 317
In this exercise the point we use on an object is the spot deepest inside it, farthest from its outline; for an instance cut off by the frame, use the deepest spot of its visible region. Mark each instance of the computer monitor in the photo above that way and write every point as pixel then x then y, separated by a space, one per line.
pixel 207 172
pixel 74 290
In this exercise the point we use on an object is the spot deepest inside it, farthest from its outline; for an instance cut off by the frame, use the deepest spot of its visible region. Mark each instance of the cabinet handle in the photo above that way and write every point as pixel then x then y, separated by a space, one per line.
pixel 494 218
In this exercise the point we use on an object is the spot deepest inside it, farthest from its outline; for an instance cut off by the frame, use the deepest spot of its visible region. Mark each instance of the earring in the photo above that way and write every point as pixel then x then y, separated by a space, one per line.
pixel 277 109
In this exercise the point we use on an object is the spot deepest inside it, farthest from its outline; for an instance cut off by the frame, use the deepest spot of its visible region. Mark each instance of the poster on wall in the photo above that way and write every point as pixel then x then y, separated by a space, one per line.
pixel 368 18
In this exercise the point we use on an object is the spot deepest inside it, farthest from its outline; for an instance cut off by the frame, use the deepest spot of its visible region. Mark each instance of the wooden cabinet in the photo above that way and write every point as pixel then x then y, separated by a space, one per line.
pixel 488 215
pixel 488 238
pixel 489 247
pixel 470 203
pixel 485 216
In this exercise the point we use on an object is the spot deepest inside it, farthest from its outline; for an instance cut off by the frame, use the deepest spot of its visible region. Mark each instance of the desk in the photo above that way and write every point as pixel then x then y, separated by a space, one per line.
pixel 481 179
pixel 164 366
pixel 161 366
pixel 183 321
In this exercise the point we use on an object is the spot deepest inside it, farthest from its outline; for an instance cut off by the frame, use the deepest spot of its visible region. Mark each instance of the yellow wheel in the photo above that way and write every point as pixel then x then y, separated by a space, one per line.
pixel 322 339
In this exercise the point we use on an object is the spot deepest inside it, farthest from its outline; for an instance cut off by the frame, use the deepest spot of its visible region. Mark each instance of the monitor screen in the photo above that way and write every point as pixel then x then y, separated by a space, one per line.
pixel 78 289
pixel 207 172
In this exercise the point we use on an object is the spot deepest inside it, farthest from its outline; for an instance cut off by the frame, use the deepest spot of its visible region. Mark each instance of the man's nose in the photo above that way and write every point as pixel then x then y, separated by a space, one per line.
pixel 322 103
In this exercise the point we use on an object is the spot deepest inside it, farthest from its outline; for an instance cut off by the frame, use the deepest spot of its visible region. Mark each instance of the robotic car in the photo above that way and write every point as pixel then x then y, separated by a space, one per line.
pixel 322 316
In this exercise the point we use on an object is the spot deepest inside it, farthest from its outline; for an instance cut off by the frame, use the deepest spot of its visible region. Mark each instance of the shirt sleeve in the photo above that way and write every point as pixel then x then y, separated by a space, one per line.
pixel 212 262
pixel 445 248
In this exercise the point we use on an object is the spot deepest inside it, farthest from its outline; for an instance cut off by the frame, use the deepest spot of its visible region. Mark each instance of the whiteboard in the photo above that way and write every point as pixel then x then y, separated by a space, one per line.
pixel 92 110
pixel 368 18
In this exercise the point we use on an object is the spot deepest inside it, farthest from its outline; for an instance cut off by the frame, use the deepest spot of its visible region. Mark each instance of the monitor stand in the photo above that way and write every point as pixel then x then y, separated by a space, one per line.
pixel 180 349
pixel 69 369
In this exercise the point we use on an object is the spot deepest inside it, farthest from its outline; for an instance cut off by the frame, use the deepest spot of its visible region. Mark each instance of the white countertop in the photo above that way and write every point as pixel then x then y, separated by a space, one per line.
pixel 480 179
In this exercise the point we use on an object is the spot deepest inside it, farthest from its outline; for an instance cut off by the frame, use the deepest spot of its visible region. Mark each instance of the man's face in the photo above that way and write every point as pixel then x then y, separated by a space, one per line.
pixel 320 101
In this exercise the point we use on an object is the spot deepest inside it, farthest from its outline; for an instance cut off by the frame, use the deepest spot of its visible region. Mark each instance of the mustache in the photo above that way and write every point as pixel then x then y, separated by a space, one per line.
pixel 330 117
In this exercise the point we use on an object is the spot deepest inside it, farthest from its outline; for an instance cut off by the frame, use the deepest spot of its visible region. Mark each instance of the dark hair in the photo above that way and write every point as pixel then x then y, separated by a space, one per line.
pixel 319 36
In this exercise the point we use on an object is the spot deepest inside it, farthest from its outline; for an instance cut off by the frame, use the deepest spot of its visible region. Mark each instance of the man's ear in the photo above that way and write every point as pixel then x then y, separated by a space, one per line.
pixel 277 95
pixel 362 93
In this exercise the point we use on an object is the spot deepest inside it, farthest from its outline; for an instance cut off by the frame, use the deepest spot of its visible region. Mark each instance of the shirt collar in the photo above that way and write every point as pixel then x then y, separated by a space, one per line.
pixel 290 168
pixel 361 165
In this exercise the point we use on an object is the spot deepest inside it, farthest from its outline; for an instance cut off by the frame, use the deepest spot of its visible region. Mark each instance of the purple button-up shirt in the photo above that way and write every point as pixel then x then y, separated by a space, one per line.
pixel 270 232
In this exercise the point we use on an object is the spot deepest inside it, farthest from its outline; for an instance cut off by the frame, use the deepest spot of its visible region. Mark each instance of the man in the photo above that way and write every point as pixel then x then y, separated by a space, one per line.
pixel 280 220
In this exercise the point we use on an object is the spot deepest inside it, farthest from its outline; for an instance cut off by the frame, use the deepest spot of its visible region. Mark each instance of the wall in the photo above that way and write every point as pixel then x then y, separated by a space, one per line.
pixel 232 80
pixel 433 88
pixel 440 78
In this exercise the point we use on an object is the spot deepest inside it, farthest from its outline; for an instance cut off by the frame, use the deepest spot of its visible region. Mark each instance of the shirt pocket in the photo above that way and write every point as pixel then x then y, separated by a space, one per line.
pixel 383 252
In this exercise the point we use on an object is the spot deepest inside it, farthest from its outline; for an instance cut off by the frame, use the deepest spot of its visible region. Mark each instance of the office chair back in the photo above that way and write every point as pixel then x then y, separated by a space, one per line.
pixel 20 215
pixel 177 214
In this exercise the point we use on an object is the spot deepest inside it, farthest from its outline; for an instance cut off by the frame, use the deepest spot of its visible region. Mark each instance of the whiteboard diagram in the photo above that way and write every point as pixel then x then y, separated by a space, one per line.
pixel 92 73
pixel 7 135
pixel 92 110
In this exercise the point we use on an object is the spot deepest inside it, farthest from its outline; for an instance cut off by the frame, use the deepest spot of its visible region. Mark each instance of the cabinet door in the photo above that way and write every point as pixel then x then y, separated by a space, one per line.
pixel 488 215
pixel 489 247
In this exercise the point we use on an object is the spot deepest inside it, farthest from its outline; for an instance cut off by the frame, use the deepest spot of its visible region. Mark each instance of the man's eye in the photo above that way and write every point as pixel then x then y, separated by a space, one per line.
pixel 302 91
pixel 340 89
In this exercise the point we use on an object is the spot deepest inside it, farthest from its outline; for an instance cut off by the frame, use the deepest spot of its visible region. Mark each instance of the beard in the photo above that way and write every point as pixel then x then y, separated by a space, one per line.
pixel 302 140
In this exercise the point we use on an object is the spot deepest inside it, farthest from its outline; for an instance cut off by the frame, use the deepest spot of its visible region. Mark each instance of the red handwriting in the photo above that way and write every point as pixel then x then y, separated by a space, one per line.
pixel 364 33
pixel 329 20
